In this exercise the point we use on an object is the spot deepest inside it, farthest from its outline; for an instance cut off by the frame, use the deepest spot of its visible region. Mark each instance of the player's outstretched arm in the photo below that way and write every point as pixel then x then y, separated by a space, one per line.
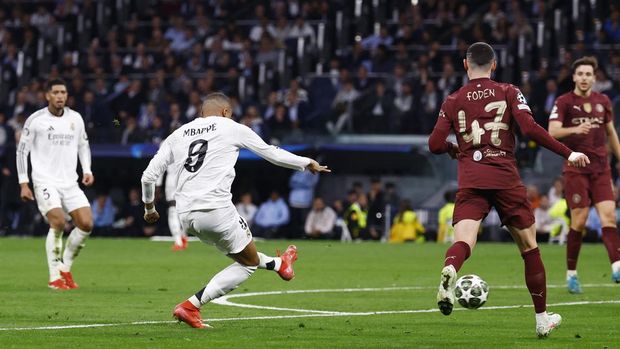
pixel 315 167
pixel 246 138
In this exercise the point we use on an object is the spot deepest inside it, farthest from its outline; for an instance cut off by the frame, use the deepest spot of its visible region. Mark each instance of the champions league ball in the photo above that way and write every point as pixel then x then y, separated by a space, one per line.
pixel 471 291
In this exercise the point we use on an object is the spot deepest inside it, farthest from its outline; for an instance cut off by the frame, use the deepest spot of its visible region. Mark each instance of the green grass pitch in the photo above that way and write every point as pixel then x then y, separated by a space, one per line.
pixel 124 282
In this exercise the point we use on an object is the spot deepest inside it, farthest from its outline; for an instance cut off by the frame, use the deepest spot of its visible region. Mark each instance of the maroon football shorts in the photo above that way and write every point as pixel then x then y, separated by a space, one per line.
pixel 511 204
pixel 585 189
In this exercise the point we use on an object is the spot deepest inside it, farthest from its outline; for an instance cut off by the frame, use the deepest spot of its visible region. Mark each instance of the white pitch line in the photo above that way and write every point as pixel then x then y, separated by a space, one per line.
pixel 315 313
pixel 275 317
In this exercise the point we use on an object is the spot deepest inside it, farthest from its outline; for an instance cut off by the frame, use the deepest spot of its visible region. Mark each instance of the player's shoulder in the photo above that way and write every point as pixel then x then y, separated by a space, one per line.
pixel 32 119
pixel 599 96
pixel 565 97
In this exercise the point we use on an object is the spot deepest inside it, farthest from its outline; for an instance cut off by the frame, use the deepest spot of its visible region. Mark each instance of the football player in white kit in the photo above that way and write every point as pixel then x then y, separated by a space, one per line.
pixel 174 224
pixel 55 137
pixel 206 150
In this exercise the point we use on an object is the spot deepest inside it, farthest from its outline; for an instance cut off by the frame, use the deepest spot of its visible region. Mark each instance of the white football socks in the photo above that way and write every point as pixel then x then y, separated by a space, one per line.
pixel 174 225
pixel 75 242
pixel 269 263
pixel 222 283
pixel 541 317
pixel 53 247
pixel 570 273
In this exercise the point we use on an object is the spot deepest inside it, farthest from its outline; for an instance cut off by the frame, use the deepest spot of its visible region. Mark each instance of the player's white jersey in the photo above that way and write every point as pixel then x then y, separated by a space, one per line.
pixel 54 144
pixel 204 152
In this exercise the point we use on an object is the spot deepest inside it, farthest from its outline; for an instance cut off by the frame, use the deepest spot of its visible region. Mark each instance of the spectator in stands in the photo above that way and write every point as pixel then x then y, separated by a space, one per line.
pixel 342 108
pixel 302 184
pixel 131 133
pixel 407 227
pixel 103 214
pixel 131 221
pixel 372 42
pixel 355 215
pixel 246 208
pixel 403 117
pixel 556 192
pixel 376 209
pixel 533 196
pixel 320 221
pixel 429 101
pixel 280 124
pixel 445 230
pixel 252 119
pixel 375 108
pixel 612 26
pixel 271 217
pixel 301 29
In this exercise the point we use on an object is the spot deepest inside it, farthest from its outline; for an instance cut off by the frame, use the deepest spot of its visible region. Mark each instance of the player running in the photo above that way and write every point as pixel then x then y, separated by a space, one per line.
pixel 206 150
pixel 584 121
pixel 55 137
pixel 482 114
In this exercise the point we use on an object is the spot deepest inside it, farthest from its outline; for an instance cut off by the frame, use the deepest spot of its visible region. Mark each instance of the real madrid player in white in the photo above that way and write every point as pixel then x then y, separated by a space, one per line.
pixel 205 151
pixel 55 138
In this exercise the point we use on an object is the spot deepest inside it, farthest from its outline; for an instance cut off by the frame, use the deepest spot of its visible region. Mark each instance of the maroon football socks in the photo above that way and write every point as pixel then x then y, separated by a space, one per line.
pixel 573 245
pixel 457 254
pixel 612 243
pixel 535 279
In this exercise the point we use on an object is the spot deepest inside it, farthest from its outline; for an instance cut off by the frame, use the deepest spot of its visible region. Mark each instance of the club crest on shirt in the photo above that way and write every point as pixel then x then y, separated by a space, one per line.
pixel 599 108
pixel 576 198
pixel 587 107
pixel 477 155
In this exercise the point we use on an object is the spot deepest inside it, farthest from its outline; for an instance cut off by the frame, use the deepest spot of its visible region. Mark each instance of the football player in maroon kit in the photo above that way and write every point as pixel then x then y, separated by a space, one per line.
pixel 583 120
pixel 483 115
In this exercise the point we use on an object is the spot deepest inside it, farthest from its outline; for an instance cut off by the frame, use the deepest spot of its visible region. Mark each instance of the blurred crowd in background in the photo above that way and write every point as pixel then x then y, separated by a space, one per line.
pixel 295 69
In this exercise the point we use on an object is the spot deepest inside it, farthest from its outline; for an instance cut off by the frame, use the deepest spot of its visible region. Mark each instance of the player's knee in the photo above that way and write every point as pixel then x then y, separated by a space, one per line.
pixel 86 226
pixel 57 222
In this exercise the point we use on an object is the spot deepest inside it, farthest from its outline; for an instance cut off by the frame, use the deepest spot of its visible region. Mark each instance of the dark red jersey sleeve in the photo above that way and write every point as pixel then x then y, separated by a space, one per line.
pixel 437 142
pixel 609 113
pixel 523 116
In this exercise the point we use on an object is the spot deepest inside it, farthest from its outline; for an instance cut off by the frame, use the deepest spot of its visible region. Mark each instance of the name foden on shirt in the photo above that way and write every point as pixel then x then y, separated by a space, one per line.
pixel 198 131
pixel 480 94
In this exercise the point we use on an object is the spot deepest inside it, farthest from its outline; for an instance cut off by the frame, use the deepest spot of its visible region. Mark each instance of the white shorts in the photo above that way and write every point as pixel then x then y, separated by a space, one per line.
pixel 50 196
pixel 222 227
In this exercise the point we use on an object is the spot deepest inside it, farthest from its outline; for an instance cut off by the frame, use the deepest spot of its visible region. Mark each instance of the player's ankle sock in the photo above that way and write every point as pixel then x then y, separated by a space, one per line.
pixel 75 243
pixel 222 283
pixel 573 245
pixel 53 247
pixel 570 273
pixel 612 243
pixel 457 254
pixel 540 317
pixel 174 226
pixel 269 263
pixel 535 279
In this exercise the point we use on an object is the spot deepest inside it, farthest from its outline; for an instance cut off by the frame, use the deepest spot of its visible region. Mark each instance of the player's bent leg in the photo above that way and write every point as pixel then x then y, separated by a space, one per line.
pixel 83 219
pixel 607 213
pixel 53 247
pixel 466 235
pixel 223 282
pixel 579 215
pixel 535 278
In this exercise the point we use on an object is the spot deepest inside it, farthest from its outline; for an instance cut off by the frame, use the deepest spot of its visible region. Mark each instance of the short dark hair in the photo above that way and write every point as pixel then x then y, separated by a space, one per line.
pixel 586 60
pixel 480 54
pixel 217 97
pixel 53 82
